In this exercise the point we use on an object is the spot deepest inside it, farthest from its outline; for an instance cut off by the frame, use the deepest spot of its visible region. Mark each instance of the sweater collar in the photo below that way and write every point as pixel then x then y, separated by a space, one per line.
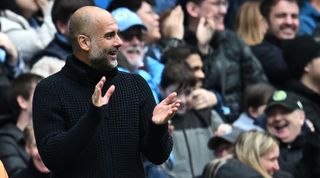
pixel 82 73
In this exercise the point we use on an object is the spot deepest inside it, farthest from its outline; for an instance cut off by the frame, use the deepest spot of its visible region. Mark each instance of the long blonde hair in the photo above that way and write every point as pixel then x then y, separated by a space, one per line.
pixel 250 146
pixel 247 24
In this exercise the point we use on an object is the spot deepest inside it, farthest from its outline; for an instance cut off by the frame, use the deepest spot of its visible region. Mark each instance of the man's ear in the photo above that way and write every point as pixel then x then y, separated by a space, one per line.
pixel 84 42
pixel 192 9
pixel 23 103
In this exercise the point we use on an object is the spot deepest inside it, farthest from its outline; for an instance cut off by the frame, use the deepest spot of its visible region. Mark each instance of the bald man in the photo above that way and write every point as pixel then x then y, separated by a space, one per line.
pixel 93 121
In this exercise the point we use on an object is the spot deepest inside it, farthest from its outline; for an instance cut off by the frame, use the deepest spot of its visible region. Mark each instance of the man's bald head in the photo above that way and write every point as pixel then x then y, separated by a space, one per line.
pixel 85 21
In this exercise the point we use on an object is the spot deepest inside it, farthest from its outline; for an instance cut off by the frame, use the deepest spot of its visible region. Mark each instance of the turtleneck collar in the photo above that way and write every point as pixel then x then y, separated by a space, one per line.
pixel 83 73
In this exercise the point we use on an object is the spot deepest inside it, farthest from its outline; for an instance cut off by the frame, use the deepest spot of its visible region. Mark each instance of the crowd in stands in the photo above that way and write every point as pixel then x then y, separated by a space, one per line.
pixel 247 73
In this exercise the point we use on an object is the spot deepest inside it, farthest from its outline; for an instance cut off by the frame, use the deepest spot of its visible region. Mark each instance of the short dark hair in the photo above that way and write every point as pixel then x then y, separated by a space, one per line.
pixel 180 73
pixel 22 85
pixel 63 9
pixel 266 5
pixel 181 52
pixel 257 95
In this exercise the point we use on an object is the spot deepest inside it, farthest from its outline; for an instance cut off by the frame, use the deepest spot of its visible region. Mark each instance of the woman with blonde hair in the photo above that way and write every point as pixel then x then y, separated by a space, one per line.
pixel 258 150
pixel 250 25
pixel 255 156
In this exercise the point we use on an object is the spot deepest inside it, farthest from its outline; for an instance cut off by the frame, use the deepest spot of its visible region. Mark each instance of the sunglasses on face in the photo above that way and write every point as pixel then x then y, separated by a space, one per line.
pixel 129 34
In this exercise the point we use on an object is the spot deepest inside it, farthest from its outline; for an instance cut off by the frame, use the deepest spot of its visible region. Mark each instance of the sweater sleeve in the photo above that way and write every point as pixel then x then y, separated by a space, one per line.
pixel 59 146
pixel 156 142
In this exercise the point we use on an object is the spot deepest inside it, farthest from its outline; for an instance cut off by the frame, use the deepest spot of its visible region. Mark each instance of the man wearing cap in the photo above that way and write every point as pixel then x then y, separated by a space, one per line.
pixel 303 56
pixel 286 121
pixel 132 32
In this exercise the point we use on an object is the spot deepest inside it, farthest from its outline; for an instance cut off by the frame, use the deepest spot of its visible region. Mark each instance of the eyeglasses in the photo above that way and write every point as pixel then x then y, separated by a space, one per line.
pixel 221 3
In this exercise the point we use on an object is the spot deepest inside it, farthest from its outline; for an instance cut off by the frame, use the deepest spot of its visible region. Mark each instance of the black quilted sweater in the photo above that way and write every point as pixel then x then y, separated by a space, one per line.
pixel 78 140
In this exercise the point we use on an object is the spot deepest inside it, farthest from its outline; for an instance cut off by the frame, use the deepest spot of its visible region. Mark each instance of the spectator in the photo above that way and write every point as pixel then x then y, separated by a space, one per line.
pixel 12 151
pixel 222 144
pixel 255 101
pixel 102 120
pixel 303 56
pixel 133 36
pixel 255 155
pixel 286 121
pixel 51 59
pixel 202 98
pixel 192 127
pixel 35 168
pixel 20 22
pixel 282 17
pixel 222 51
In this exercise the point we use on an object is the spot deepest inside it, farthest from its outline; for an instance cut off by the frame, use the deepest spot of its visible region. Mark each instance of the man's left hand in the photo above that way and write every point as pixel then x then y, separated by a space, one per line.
pixel 166 109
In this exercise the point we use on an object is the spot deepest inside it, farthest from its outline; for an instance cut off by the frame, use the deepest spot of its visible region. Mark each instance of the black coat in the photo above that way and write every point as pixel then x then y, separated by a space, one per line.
pixel 229 67
pixel 236 169
pixel 309 165
pixel 12 152
pixel 271 59
pixel 310 101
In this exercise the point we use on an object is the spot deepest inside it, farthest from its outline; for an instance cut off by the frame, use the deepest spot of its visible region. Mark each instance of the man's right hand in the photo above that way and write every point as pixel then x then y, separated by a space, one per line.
pixel 99 100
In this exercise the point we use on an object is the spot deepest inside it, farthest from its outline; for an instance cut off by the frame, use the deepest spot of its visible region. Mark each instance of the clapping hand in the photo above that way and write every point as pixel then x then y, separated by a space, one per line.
pixel 99 100
pixel 166 109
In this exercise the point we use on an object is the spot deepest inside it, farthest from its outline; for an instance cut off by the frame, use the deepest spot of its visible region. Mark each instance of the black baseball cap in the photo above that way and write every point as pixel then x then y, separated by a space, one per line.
pixel 288 100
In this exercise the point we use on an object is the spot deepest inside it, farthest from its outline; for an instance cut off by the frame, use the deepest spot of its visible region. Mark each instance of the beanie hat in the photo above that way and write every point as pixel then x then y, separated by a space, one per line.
pixel 299 52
